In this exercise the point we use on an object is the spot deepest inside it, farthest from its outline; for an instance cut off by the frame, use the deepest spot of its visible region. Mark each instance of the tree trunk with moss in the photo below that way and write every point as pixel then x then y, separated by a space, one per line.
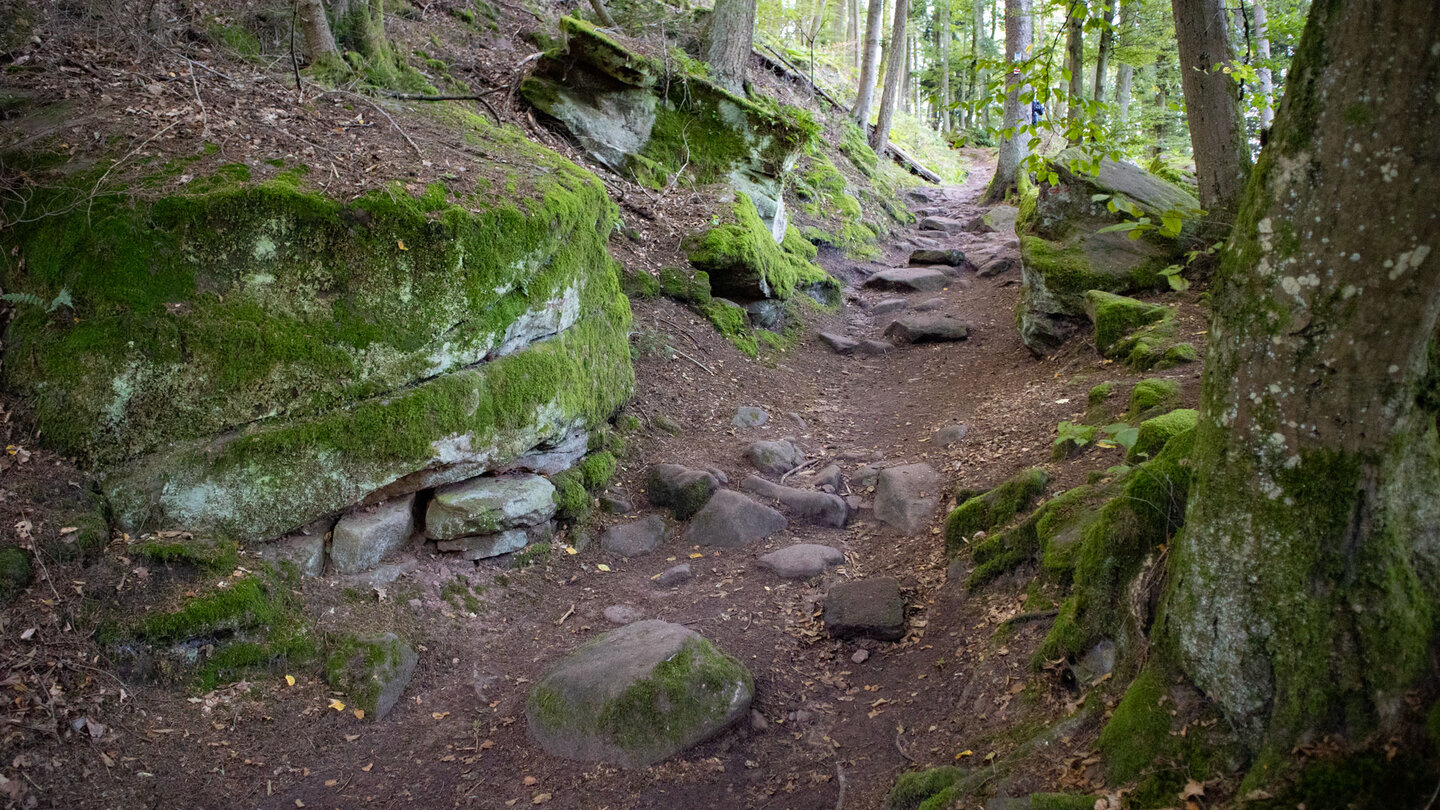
pixel 729 37
pixel 1305 593
pixel 1017 114
pixel 319 44
pixel 361 28
pixel 1075 62
pixel 1212 105
pixel 894 66
pixel 869 64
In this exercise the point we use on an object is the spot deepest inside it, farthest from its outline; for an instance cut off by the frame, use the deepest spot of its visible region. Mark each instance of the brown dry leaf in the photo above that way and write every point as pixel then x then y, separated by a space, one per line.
pixel 529 781
pixel 541 798
pixel 440 715
pixel 331 782
pixel 1193 790
pixel 367 766
pixel 359 714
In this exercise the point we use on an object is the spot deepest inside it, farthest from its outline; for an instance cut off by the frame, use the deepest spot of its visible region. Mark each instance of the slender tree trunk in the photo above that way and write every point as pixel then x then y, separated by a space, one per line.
pixel 319 43
pixel 838 22
pixel 1262 68
pixel 362 27
pixel 598 6
pixel 1212 104
pixel 1124 73
pixel 1162 105
pixel 880 136
pixel 1305 589
pixel 1075 61
pixel 943 52
pixel 1017 114
pixel 852 34
pixel 1102 53
pixel 816 20
pixel 870 67
pixel 908 72
pixel 974 84
pixel 728 39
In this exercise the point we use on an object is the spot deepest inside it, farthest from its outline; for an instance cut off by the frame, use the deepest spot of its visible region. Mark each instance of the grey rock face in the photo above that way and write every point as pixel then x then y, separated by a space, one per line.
pixel 869 607
pixel 909 279
pixel 623 614
pixel 601 702
pixel 680 488
pixel 840 343
pixel 363 538
pixel 801 560
pixel 634 538
pixel 927 329
pixel 996 264
pixel 875 347
pixel 828 477
pixel 889 305
pixel 951 258
pixel 557 456
pixel 305 551
pixel 616 504
pixel 906 496
pixel 767 313
pixel 749 416
pixel 483 546
pixel 942 224
pixel 489 504
pixel 775 457
pixel 733 520
pixel 809 506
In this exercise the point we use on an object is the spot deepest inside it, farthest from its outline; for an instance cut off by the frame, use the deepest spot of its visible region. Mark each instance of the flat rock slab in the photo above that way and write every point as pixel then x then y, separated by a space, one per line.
pixel 889 305
pixel 951 258
pixel 906 496
pixel 372 671
pixel 749 416
pixel 950 434
pixel 623 614
pixel 910 279
pixel 363 538
pixel 802 560
pixel 674 575
pixel 637 695
pixel 927 328
pixel 776 458
pixel 828 477
pixel 840 343
pixel 634 538
pixel 811 507
pixel 873 347
pixel 489 504
pixel 869 607
pixel 482 546
pixel 942 224
pixel 733 520
pixel 680 488
pixel 997 264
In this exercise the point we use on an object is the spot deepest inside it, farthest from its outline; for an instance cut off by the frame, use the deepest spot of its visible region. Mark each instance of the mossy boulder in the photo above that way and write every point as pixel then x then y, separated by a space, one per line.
pixel 995 508
pixel 934 787
pixel 1152 395
pixel 1156 432
pixel 637 695
pixel 1065 251
pixel 1116 316
pixel 1141 335
pixel 246 359
pixel 371 671
pixel 745 263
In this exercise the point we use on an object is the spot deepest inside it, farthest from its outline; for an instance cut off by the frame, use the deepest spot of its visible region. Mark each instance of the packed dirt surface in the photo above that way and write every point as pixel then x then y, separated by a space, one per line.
pixel 833 723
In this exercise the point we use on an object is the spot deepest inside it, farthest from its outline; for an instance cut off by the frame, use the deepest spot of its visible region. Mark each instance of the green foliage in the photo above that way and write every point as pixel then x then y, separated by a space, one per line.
pixel 1070 438
pixel 914 789
pixel 15 573
pixel 743 253
pixel 530 555
pixel 219 556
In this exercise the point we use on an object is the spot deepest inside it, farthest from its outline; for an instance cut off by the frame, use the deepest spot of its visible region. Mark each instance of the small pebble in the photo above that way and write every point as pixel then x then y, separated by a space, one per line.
pixel 860 656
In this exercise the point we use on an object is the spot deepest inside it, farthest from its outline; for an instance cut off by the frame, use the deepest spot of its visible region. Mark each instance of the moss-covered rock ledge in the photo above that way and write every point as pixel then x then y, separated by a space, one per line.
pixel 250 359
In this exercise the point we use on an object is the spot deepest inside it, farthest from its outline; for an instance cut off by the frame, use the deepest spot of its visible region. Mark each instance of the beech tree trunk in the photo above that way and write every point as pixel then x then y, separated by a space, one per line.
pixel 1075 61
pixel 1212 104
pixel 319 43
pixel 870 65
pixel 1102 52
pixel 944 55
pixel 1017 113
pixel 894 65
pixel 1262 69
pixel 1305 591
pixel 1124 73
pixel 729 37
pixel 598 6
pixel 853 34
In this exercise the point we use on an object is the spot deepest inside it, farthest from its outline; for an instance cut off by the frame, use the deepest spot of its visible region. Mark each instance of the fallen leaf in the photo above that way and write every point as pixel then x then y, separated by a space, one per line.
pixel 331 782
pixel 602 567
pixel 571 550
pixel 529 781
pixel 1193 790
pixel 366 768
pixel 401 243
pixel 440 715
pixel 289 680
pixel 540 798
pixel 966 753
pixel 359 714
pixel 337 705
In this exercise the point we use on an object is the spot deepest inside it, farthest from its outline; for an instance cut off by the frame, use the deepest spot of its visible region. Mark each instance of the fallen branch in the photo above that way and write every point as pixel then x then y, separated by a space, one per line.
pixel 809 463
pixel 682 331
pixel 381 110
pixel 565 616
pixel 693 360
pixel 840 777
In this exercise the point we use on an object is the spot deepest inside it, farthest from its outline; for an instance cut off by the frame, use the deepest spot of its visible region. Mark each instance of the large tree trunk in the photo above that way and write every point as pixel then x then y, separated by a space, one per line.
pixel 1262 69
pixel 943 53
pixel 1124 73
pixel 870 65
pixel 1305 593
pixel 1102 52
pixel 729 37
pixel 1075 61
pixel 1212 104
pixel 319 43
pixel 1017 113
pixel 852 33
pixel 893 67
pixel 974 85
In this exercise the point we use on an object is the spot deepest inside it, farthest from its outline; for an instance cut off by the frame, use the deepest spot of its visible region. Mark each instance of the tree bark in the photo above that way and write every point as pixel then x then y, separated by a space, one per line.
pixel 1306 586
pixel 1124 73
pixel 1102 52
pixel 1017 114
pixel 1262 69
pixel 319 43
pixel 600 13
pixel 853 34
pixel 1075 61
pixel 943 53
pixel 1162 102
pixel 729 37
pixel 880 136
pixel 869 66
pixel 1212 104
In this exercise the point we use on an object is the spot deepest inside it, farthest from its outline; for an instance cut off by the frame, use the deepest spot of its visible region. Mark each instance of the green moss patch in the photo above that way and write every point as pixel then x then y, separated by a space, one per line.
pixel 995 508
pixel 15 573
pixel 743 261
pixel 1155 433
pixel 1116 316
pixel 1151 395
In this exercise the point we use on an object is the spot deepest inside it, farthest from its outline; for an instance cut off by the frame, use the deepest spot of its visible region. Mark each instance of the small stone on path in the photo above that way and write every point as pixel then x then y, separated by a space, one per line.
pixel 801 560
pixel 830 476
pixel 812 507
pixel 840 343
pixel 906 496
pixel 952 258
pixel 733 520
pixel 889 305
pixel 875 347
pixel 946 436
pixel 909 279
pixel 930 305
pixel 680 488
pixel 634 538
pixel 749 416
pixel 868 607
pixel 616 504
pixel 774 457
pixel 363 538
pixel 623 614
pixel 927 329
pixel 860 656
pixel 674 575
pixel 943 224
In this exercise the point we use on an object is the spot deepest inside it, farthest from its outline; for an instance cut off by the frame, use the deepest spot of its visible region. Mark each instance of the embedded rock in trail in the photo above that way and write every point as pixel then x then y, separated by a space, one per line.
pixel 927 329
pixel 906 496
pixel 930 305
pixel 363 538
pixel 484 546
pixel 245 361
pixel 305 551
pixel 680 488
pixel 996 264
pixel 909 279
pixel 875 347
pixel 802 560
pixel 868 607
pixel 749 416
pixel 946 436
pixel 637 695
pixel 487 505
pixel 1064 254
pixel 623 614
pixel 733 520
pixel 1095 664
pixel 616 504
pixel 952 258
pixel 812 507
pixel 674 575
pixel 372 672
pixel 776 458
pixel 634 538
pixel 942 224
pixel 828 477
pixel 889 305
pixel 840 343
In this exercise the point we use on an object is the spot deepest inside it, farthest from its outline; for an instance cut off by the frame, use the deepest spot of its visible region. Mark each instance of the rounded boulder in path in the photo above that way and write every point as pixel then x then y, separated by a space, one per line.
pixel 802 560
pixel 733 520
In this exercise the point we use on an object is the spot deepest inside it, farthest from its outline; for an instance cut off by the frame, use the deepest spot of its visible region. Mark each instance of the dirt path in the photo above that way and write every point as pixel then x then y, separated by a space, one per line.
pixel 832 719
